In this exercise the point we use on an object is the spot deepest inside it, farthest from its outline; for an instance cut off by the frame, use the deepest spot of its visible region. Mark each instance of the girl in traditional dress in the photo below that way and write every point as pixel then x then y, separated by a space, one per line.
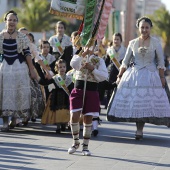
pixel 117 50
pixel 15 66
pixel 48 60
pixel 57 108
pixel 60 40
pixel 141 95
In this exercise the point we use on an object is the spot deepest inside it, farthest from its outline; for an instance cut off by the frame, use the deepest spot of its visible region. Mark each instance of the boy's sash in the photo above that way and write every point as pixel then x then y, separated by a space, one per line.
pixel 45 61
pixel 115 61
pixel 58 45
pixel 61 82
pixel 113 57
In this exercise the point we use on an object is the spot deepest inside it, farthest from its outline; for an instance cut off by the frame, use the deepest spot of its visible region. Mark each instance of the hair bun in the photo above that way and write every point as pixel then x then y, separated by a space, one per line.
pixel 10 12
pixel 144 18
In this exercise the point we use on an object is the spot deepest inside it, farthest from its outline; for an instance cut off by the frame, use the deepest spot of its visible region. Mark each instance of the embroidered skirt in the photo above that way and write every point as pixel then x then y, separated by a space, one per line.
pixel 15 92
pixel 37 100
pixel 140 98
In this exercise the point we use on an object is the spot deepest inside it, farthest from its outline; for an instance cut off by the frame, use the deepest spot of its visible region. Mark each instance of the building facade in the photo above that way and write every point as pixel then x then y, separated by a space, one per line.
pixel 123 19
pixel 126 12
pixel 151 6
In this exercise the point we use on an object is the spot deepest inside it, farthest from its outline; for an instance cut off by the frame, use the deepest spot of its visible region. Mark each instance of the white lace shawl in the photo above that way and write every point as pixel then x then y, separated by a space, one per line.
pixel 21 39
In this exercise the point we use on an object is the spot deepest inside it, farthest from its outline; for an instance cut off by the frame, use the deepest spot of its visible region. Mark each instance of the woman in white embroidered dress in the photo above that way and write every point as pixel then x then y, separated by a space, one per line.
pixel 140 95
pixel 60 40
pixel 15 66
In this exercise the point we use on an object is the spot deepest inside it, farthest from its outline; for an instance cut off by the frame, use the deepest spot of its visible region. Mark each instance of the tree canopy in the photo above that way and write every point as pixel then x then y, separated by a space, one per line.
pixel 35 16
pixel 161 27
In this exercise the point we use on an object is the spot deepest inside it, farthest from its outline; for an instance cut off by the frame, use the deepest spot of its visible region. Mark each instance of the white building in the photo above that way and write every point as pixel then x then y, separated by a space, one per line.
pixel 151 6
pixel 146 7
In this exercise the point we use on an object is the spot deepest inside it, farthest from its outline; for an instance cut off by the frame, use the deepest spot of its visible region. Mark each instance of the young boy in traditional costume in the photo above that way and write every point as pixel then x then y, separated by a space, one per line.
pixel 84 98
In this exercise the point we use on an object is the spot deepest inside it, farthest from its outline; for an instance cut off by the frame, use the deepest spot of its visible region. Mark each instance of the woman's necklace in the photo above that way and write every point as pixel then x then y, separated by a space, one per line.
pixel 143 50
pixel 144 39
pixel 10 34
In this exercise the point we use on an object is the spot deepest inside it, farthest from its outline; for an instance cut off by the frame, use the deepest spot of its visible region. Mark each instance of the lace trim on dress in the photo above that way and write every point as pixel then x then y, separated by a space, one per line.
pixel 136 103
pixel 161 67
pixel 15 113
pixel 153 120
pixel 123 66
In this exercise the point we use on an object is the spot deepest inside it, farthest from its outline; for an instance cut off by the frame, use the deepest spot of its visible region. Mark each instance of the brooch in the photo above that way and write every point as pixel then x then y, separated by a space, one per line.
pixel 142 50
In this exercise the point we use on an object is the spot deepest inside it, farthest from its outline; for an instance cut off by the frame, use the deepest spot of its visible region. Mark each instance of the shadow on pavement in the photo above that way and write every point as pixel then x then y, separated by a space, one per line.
pixel 19 153
pixel 134 161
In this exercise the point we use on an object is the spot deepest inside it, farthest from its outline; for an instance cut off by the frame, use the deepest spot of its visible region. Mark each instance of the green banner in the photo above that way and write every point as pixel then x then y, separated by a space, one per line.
pixel 88 21
pixel 117 21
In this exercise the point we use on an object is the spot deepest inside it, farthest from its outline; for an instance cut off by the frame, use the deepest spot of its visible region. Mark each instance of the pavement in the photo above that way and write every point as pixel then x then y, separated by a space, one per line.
pixel 38 147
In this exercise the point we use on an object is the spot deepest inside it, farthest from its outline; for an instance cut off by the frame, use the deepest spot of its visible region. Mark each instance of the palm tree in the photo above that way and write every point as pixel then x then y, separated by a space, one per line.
pixel 161 27
pixel 35 16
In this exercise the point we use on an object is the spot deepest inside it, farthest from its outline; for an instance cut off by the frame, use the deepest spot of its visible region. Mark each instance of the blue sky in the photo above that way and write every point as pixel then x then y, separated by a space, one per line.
pixel 167 4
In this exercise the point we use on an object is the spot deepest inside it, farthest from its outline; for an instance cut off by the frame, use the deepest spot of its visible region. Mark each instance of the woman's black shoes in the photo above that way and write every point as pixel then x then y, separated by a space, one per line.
pixel 139 136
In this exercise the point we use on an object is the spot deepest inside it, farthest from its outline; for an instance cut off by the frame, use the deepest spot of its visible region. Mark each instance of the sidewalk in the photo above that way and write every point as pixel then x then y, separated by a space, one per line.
pixel 37 147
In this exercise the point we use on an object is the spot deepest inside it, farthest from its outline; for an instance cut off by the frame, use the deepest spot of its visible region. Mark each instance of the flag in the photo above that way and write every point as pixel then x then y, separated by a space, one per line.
pixel 92 12
pixel 68 8
pixel 104 19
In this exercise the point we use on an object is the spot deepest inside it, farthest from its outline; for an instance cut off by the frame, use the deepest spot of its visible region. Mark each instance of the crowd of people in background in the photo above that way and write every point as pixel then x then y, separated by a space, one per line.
pixel 64 84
